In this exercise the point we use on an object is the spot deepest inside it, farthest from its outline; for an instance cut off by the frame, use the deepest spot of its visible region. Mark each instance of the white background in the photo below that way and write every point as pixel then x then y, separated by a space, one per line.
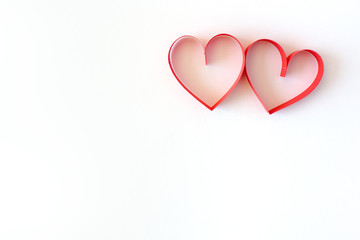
pixel 99 141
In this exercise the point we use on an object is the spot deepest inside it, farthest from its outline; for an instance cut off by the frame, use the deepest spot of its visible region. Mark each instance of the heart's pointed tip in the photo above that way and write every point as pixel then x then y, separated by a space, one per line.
pixel 211 108
pixel 270 112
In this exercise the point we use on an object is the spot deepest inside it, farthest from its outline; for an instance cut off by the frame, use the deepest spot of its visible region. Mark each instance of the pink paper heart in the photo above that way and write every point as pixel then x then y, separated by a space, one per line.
pixel 208 73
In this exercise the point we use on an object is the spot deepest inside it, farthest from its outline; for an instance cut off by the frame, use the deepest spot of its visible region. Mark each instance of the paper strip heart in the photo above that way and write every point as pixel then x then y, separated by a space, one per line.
pixel 285 61
pixel 237 72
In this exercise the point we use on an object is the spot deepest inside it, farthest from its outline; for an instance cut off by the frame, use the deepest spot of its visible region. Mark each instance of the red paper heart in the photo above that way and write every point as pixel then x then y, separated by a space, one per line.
pixel 234 72
pixel 285 61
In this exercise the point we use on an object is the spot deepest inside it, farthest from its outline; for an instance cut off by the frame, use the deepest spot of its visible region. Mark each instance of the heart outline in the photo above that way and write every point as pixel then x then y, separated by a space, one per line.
pixel 205 55
pixel 285 62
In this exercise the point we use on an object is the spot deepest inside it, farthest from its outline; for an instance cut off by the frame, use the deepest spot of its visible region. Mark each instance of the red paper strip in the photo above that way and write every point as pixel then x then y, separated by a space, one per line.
pixel 285 61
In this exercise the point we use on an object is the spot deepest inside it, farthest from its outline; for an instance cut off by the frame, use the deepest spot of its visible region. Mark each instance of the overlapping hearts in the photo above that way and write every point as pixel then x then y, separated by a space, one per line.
pixel 237 73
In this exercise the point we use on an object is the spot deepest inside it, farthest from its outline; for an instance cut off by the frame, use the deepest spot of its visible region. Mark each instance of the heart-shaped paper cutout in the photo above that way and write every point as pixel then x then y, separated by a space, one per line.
pixel 285 62
pixel 208 73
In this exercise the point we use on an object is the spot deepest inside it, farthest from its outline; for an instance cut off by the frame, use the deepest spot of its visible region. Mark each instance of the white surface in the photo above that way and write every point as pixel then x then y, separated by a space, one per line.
pixel 99 141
